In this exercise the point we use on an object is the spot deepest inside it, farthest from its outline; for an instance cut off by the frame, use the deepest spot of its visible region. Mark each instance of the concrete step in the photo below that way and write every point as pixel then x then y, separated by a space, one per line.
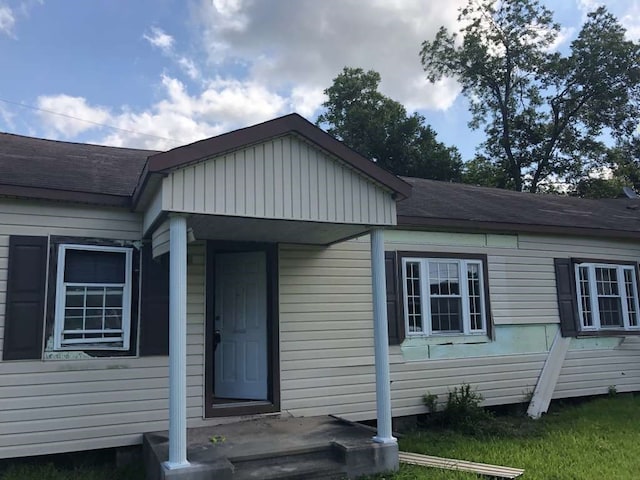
pixel 318 464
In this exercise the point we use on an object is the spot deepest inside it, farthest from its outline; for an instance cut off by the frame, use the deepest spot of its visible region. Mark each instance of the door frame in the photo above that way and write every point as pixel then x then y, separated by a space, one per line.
pixel 272 404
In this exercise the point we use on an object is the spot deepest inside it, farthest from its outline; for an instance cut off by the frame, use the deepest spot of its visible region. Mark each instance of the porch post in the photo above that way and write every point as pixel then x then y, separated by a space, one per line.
pixel 381 339
pixel 177 342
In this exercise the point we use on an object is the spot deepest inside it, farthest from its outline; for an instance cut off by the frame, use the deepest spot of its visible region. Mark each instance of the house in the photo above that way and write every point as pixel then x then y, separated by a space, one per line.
pixel 293 276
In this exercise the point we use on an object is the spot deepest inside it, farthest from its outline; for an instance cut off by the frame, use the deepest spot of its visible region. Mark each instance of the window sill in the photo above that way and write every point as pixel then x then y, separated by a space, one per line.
pixel 609 333
pixel 453 339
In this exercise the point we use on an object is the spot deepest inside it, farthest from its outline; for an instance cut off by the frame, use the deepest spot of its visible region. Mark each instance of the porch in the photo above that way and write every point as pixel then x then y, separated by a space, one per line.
pixel 269 447
pixel 246 194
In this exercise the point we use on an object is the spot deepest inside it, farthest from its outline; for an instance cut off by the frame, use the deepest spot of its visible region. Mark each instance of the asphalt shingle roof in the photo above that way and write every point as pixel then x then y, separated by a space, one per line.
pixel 83 172
pixel 433 201
pixel 73 167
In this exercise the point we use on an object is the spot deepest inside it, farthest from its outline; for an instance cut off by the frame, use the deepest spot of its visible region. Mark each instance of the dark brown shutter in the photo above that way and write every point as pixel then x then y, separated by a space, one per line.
pixel 24 314
pixel 154 308
pixel 567 304
pixel 394 299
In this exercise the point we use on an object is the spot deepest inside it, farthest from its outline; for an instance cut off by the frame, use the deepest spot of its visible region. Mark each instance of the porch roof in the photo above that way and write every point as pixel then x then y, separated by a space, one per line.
pixel 165 162
pixel 281 181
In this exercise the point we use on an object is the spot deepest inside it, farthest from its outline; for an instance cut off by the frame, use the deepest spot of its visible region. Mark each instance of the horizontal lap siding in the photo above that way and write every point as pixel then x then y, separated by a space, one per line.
pixel 326 332
pixel 326 326
pixel 66 405
pixel 592 372
pixel 326 335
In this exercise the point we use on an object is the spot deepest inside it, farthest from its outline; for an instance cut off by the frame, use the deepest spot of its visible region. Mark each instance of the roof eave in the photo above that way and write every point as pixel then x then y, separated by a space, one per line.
pixel 36 193
pixel 416 222
pixel 293 123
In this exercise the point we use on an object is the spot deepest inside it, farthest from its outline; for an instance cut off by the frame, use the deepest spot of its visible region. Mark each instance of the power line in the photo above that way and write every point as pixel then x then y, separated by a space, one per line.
pixel 24 105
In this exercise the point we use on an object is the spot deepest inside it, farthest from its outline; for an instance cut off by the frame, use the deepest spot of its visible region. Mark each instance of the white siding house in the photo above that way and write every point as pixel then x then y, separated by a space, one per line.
pixel 473 288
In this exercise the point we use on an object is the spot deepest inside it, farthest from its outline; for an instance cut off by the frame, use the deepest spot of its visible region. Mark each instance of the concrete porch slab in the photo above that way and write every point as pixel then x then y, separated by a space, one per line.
pixel 269 448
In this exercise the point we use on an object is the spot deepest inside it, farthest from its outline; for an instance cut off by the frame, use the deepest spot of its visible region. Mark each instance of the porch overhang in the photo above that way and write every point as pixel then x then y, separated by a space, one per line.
pixel 240 229
pixel 286 170
pixel 285 181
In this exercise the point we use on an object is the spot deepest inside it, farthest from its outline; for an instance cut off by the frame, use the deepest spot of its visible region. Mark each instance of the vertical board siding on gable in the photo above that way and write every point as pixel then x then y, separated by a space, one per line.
pixel 66 405
pixel 282 178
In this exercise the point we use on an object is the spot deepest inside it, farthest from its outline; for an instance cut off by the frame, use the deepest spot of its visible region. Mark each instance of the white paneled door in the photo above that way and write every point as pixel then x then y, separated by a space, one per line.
pixel 241 366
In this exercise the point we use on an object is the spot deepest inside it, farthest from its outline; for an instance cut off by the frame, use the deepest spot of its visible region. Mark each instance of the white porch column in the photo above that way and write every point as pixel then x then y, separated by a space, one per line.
pixel 381 339
pixel 177 342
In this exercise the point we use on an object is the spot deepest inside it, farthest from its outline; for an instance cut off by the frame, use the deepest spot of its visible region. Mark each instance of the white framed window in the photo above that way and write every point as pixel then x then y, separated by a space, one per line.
pixel 607 296
pixel 444 296
pixel 93 298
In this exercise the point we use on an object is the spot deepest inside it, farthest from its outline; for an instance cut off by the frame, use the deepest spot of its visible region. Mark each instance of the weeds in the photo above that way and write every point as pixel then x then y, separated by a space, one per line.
pixel 462 413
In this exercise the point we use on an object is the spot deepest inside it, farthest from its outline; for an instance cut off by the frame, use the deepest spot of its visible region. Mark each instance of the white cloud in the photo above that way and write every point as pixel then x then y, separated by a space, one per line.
pixel 627 11
pixel 189 67
pixel 7 117
pixel 306 101
pixel 177 119
pixel 7 20
pixel 563 37
pixel 68 110
pixel 287 55
pixel 630 20
pixel 159 39
pixel 307 43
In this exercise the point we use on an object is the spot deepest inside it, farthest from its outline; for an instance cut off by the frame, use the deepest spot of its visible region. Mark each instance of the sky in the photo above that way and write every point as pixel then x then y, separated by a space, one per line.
pixel 156 74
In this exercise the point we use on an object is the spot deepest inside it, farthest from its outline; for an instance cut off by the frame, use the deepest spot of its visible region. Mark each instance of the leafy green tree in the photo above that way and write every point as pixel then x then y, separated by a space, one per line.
pixel 380 129
pixel 622 170
pixel 483 172
pixel 544 114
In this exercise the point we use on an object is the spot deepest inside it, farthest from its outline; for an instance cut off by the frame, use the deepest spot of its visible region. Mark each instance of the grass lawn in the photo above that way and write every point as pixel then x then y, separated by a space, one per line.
pixel 598 439
pixel 83 471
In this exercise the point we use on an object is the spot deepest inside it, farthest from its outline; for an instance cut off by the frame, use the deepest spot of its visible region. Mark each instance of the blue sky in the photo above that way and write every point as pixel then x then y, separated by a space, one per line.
pixel 168 72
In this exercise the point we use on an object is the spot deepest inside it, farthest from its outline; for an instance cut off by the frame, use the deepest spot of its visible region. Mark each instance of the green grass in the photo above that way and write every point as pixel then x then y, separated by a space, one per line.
pixel 25 471
pixel 598 439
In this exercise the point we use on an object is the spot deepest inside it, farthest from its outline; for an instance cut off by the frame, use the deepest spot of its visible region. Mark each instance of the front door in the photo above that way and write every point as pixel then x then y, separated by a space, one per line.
pixel 241 363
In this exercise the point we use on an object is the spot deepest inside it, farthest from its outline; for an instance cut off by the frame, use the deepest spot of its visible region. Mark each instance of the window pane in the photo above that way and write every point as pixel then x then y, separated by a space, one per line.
pixel 94 308
pixel 585 298
pixel 113 297
pixel 607 281
pixel 475 301
pixel 93 322
pixel 95 297
pixel 414 307
pixel 75 296
pixel 631 292
pixel 72 321
pixel 446 314
pixel 113 320
pixel 444 278
pixel 88 266
pixel 610 311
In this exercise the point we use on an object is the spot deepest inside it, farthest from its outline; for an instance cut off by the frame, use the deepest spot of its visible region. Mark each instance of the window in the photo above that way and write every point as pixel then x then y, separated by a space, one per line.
pixel 444 296
pixel 93 298
pixel 607 296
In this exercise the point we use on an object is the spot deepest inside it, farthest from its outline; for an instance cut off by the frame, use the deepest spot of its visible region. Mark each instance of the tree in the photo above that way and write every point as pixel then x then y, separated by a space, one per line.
pixel 622 170
pixel 380 129
pixel 544 114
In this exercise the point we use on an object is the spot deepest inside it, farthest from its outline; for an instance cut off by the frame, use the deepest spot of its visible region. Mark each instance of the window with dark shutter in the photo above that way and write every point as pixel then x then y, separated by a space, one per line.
pixel 24 314
pixel 596 296
pixel 154 317
pixel 395 319
pixel 442 294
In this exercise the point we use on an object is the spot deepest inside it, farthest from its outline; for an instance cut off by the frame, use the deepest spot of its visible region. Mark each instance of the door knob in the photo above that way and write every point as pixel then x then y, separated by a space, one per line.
pixel 216 339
